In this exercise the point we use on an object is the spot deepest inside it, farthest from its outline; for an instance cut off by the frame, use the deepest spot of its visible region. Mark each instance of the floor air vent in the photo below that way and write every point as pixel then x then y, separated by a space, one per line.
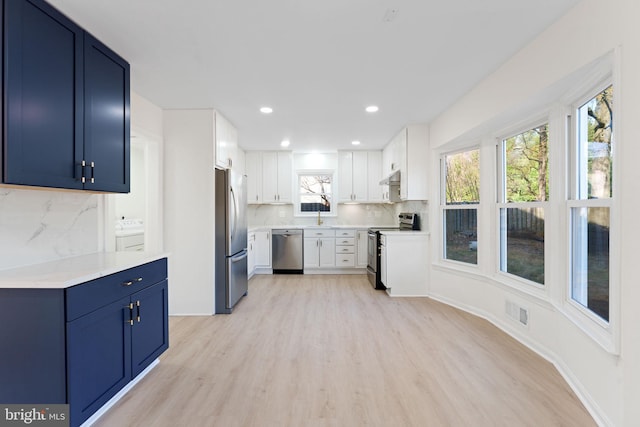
pixel 517 313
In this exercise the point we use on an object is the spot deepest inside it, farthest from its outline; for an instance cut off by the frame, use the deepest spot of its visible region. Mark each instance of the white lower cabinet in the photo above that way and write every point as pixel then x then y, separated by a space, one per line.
pixel 319 248
pixel 258 252
pixel 319 252
pixel 403 262
pixel 263 249
pixel 345 248
pixel 362 240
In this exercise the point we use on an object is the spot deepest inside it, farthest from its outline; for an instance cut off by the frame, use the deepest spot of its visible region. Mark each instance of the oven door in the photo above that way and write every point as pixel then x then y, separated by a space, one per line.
pixel 372 257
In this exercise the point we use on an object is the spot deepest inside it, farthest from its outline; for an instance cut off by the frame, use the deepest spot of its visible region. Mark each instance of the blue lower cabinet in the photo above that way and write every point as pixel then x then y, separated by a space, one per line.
pixel 81 345
pixel 150 332
pixel 98 358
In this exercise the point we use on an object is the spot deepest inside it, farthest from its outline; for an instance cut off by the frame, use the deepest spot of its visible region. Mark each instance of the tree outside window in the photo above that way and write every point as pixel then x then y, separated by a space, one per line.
pixel 460 207
pixel 315 192
pixel 525 189
pixel 590 210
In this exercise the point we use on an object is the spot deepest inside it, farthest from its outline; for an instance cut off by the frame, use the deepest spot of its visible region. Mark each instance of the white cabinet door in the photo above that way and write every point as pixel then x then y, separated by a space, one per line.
pixel 226 137
pixel 327 256
pixel 253 161
pixel 345 176
pixel 383 264
pixel 285 176
pixel 311 253
pixel 263 249
pixel 413 185
pixel 354 176
pixel 374 175
pixel 362 240
pixel 359 170
pixel 270 177
pixel 277 169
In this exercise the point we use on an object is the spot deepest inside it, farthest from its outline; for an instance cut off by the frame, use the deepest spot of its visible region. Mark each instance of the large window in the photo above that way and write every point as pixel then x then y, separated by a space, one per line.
pixel 590 207
pixel 524 178
pixel 460 200
pixel 315 192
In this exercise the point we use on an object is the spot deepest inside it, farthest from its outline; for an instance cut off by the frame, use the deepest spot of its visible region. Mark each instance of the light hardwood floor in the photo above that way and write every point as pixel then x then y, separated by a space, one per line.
pixel 332 351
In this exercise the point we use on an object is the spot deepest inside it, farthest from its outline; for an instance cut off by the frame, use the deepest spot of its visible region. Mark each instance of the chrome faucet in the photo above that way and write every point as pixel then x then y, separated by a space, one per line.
pixel 319 220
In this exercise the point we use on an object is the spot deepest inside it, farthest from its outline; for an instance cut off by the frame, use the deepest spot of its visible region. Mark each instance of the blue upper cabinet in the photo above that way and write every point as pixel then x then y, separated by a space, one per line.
pixel 106 124
pixel 66 103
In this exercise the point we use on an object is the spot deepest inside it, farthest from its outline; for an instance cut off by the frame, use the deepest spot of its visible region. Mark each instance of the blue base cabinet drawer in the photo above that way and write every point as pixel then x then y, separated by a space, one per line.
pixel 113 333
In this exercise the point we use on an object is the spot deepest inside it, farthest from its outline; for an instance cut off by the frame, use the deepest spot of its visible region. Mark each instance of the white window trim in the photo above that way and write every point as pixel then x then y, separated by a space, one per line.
pixel 443 207
pixel 539 290
pixel 606 334
pixel 557 268
pixel 296 196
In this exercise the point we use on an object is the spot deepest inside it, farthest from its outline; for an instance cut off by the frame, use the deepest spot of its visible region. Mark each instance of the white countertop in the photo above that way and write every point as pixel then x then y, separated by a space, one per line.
pixel 335 227
pixel 72 271
pixel 404 232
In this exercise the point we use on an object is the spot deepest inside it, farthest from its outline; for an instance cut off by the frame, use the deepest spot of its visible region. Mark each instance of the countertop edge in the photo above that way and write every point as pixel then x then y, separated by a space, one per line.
pixel 67 272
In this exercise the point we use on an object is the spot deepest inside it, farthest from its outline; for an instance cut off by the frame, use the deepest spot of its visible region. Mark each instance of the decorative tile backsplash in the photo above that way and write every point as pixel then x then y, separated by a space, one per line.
pixel 38 226
pixel 361 214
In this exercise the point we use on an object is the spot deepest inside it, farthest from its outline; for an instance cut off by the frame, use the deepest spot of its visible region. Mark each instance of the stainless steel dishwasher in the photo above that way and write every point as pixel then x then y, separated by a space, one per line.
pixel 287 250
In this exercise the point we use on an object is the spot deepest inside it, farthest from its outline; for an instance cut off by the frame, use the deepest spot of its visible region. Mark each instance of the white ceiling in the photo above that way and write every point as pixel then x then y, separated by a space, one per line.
pixel 317 64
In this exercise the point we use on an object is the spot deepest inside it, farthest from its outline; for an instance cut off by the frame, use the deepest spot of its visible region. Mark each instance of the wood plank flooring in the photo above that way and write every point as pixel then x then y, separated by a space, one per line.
pixel 332 351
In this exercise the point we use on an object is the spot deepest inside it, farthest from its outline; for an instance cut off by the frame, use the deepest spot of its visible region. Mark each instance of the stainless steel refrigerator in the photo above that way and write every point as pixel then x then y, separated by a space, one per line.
pixel 230 239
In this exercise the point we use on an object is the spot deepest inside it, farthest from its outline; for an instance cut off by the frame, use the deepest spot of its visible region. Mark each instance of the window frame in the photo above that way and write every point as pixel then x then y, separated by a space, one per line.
pixel 606 334
pixel 444 207
pixel 529 286
pixel 333 212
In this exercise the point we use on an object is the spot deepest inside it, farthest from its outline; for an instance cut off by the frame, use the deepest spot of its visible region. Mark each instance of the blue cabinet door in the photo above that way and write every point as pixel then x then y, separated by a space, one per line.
pixel 107 99
pixel 98 358
pixel 150 334
pixel 43 102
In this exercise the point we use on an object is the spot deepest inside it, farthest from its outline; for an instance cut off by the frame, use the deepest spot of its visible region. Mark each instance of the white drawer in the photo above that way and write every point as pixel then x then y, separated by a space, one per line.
pixel 345 249
pixel 345 260
pixel 319 232
pixel 345 233
pixel 345 241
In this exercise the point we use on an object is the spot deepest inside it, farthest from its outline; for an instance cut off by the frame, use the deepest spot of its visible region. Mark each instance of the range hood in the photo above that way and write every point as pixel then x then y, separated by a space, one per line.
pixel 393 179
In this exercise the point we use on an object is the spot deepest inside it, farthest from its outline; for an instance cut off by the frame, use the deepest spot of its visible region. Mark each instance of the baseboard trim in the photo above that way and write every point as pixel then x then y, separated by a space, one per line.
pixel 100 412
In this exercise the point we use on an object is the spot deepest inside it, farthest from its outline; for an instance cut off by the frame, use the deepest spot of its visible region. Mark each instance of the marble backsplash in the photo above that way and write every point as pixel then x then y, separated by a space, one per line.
pixel 348 214
pixel 39 226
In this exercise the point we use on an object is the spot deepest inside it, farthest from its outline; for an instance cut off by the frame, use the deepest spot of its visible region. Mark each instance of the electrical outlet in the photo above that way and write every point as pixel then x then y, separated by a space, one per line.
pixel 282 214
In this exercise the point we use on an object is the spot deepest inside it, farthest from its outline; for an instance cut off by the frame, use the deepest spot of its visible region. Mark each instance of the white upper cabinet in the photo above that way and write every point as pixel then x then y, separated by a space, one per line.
pixel 375 191
pixel 408 153
pixel 226 144
pixel 277 176
pixel 359 176
pixel 253 166
pixel 394 154
pixel 352 169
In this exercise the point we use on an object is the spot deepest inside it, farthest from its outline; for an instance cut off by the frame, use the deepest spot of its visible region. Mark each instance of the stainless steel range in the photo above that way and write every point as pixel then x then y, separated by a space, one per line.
pixel 407 221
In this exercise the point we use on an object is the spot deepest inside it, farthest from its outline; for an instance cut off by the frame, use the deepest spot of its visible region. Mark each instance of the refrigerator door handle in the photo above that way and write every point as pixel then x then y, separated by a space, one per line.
pixel 234 214
pixel 239 257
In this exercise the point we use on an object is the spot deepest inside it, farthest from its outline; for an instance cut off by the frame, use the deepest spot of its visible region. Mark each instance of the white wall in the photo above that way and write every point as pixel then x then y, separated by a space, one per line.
pixel 608 383
pixel 189 210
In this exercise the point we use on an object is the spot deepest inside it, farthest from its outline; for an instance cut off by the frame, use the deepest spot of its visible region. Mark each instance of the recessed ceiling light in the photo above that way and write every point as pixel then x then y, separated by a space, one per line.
pixel 266 110
pixel 285 143
pixel 355 142
pixel 372 109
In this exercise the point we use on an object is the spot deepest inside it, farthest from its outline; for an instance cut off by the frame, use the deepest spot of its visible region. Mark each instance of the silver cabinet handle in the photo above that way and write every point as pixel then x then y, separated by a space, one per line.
pixel 131 282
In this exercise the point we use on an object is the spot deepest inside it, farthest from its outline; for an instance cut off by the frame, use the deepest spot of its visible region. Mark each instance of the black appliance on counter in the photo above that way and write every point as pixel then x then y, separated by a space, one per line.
pixel 407 222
